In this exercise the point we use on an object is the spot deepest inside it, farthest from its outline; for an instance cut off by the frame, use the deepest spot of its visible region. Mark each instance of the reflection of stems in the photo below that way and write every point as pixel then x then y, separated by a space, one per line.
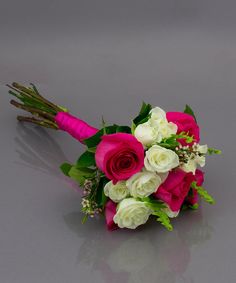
pixel 38 150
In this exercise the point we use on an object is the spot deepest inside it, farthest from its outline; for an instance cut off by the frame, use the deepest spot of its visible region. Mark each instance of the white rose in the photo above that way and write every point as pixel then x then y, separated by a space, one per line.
pixel 159 121
pixel 143 184
pixel 116 192
pixel 157 114
pixel 147 134
pixel 170 213
pixel 167 129
pixel 131 213
pixel 159 159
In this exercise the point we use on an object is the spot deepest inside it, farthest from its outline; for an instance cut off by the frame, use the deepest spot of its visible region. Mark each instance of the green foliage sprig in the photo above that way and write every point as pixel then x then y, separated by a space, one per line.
pixel 172 142
pixel 163 218
pixel 157 208
pixel 203 193
pixel 212 151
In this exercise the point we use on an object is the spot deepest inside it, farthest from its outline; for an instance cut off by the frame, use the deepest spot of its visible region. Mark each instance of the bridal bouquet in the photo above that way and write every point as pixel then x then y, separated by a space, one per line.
pixel 129 173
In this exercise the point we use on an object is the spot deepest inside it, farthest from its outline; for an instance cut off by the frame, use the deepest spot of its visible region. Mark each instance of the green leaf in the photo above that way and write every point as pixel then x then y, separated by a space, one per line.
pixel 154 204
pixel 212 151
pixel 92 149
pixel 189 206
pixel 194 207
pixel 163 218
pixel 133 126
pixel 80 174
pixel 65 168
pixel 87 159
pixel 123 129
pixel 203 193
pixel 170 143
pixel 101 198
pixel 94 140
pixel 104 126
pixel 143 115
pixel 188 110
pixel 84 219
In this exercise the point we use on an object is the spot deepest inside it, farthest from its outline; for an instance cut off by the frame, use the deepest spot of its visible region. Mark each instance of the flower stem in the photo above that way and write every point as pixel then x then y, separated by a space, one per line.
pixel 32 110
pixel 43 123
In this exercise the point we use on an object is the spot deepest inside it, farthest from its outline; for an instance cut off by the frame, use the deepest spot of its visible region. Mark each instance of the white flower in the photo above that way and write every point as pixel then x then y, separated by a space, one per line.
pixel 159 159
pixel 200 160
pixel 159 121
pixel 167 129
pixel 116 192
pixel 143 184
pixel 155 129
pixel 157 114
pixel 202 148
pixel 147 134
pixel 190 166
pixel 170 213
pixel 131 213
pixel 196 160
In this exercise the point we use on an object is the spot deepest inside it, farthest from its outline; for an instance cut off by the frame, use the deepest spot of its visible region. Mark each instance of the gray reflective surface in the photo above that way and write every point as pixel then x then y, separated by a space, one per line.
pixel 103 58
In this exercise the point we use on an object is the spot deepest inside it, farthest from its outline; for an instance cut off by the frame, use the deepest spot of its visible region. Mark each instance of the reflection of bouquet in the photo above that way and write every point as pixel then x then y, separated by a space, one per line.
pixel 127 172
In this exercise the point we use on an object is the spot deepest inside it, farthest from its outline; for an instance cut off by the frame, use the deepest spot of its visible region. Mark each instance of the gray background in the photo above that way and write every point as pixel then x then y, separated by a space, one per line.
pixel 103 58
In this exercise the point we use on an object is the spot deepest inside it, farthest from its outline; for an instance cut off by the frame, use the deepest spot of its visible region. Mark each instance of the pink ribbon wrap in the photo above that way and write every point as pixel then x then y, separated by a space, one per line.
pixel 76 127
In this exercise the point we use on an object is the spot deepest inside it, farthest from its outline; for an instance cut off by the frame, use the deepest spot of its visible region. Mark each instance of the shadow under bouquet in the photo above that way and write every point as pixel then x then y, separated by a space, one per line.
pixel 129 173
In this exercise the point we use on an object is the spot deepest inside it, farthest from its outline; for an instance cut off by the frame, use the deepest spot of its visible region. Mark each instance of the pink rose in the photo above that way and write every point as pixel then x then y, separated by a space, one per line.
pixel 185 123
pixel 119 156
pixel 199 179
pixel 110 211
pixel 175 188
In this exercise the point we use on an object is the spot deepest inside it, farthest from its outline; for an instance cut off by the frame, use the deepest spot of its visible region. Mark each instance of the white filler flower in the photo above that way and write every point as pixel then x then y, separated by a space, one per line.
pixel 143 184
pixel 116 192
pixel 159 159
pixel 196 160
pixel 131 213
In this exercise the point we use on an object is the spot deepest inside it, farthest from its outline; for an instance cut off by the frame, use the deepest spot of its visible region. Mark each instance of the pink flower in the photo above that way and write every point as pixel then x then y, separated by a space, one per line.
pixel 119 156
pixel 175 188
pixel 199 179
pixel 185 123
pixel 110 211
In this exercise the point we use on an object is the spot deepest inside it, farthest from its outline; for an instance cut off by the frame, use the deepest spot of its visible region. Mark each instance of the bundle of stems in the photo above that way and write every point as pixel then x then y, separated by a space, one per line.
pixel 32 101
